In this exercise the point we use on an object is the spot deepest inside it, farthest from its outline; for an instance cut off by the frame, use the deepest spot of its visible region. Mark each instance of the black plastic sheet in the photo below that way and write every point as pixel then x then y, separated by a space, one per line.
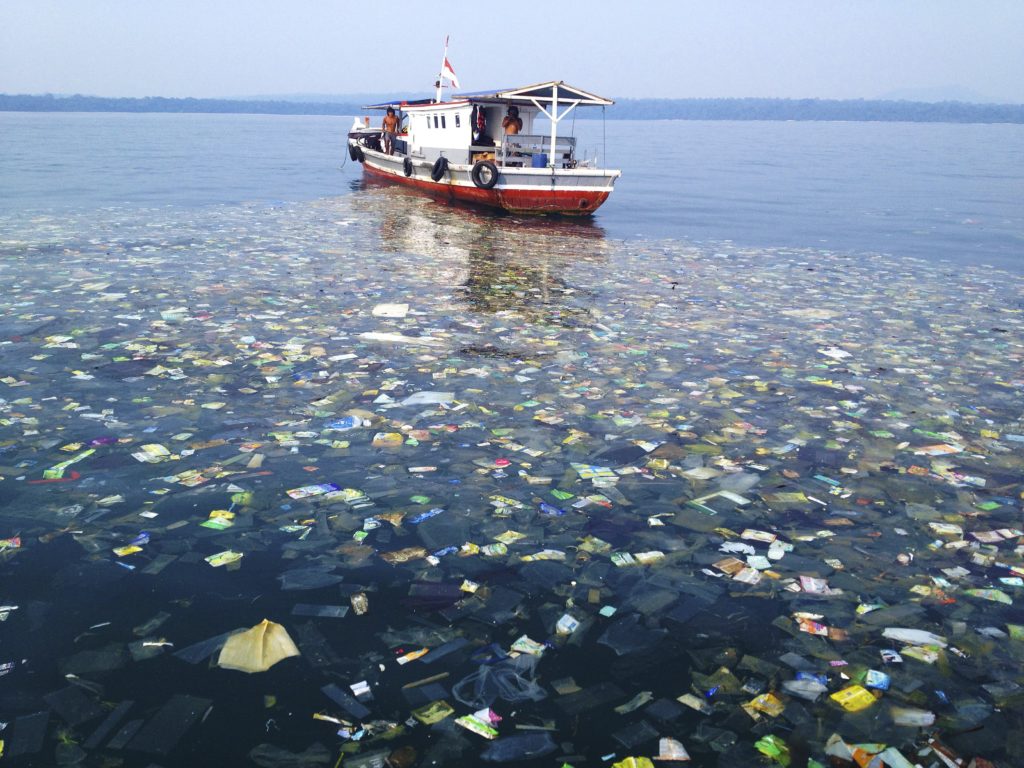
pixel 166 728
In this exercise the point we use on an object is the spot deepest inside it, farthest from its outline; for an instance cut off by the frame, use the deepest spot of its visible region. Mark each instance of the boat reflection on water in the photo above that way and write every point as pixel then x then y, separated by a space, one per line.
pixel 499 263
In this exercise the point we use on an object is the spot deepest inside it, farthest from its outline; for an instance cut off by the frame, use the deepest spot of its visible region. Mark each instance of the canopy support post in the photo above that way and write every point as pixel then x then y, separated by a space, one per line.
pixel 555 119
pixel 554 125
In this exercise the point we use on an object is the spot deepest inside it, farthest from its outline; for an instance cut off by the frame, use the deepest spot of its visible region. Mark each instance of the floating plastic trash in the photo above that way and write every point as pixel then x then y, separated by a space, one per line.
pixel 257 649
pixel 853 698
pixel 622 492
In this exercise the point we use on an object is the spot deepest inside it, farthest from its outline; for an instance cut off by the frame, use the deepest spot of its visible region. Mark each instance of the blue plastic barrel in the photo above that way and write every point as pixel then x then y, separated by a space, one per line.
pixel 540 161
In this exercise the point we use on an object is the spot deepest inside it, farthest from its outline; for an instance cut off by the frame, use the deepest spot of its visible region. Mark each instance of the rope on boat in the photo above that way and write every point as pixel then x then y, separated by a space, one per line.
pixel 604 137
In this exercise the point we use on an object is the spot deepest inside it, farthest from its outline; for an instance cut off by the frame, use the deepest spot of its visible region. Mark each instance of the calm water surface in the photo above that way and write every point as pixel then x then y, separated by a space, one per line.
pixel 949 192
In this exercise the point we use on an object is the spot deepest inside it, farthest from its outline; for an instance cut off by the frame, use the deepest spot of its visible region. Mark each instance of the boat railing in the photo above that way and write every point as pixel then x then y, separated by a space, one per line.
pixel 533 150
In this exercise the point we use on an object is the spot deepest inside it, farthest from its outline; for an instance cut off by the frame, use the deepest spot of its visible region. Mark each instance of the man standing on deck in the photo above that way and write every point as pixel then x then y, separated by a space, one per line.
pixel 512 123
pixel 389 127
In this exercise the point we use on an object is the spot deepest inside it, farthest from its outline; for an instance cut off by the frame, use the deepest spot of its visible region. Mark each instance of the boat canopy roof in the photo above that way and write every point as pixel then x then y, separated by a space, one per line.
pixel 541 93
pixel 399 103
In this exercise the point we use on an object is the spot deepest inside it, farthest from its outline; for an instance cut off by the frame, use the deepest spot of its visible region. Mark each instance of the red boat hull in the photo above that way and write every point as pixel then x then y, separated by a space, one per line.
pixel 564 202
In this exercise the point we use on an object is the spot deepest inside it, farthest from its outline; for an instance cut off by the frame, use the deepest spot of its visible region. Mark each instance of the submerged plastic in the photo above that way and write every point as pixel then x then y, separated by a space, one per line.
pixel 272 756
pixel 512 681
pixel 526 746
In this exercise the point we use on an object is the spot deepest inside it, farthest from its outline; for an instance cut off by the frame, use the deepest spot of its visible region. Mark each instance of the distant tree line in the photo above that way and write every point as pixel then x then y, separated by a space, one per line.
pixel 816 109
pixel 625 109
pixel 78 103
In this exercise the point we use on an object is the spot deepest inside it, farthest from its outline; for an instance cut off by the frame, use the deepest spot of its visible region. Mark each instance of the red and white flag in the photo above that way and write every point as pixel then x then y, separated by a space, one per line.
pixel 448 72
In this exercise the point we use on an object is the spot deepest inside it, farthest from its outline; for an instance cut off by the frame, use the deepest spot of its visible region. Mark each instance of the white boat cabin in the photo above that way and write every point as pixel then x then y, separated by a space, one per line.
pixel 468 128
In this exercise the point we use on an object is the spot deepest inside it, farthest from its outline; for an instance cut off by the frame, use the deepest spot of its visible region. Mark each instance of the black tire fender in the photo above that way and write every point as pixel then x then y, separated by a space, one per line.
pixel 440 168
pixel 407 166
pixel 485 174
pixel 355 152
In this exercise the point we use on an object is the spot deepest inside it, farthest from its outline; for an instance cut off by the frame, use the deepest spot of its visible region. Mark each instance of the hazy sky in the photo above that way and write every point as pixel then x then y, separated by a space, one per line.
pixel 972 49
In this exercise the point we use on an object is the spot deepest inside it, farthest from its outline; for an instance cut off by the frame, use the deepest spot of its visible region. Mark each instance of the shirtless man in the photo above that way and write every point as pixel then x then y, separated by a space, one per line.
pixel 389 127
pixel 512 123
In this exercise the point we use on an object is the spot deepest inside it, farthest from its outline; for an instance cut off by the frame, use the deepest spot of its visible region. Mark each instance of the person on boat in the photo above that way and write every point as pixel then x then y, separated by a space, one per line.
pixel 512 123
pixel 388 129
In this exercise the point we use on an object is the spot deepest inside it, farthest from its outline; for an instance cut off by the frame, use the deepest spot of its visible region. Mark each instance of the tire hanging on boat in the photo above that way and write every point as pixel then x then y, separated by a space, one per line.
pixel 439 169
pixel 407 166
pixel 355 152
pixel 485 174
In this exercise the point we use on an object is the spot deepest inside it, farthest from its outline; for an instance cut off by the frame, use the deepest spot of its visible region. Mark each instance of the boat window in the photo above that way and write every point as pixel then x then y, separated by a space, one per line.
pixel 442 122
pixel 435 121
pixel 457 122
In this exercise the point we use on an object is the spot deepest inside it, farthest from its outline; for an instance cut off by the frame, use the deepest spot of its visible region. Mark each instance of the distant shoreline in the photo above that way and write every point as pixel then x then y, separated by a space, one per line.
pixel 858 110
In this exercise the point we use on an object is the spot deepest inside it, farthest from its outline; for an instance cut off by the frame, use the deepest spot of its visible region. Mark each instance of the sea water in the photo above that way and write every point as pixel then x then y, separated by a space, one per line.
pixel 935 191
pixel 620 483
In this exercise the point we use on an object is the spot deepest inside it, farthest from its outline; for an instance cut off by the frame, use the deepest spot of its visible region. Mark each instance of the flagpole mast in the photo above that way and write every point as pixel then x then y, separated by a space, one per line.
pixel 440 72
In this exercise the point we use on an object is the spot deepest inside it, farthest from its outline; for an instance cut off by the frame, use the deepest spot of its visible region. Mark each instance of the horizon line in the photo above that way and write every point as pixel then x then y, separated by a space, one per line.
pixel 291 98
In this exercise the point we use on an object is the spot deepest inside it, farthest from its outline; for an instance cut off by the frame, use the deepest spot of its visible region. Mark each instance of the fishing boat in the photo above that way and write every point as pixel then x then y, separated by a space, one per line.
pixel 484 148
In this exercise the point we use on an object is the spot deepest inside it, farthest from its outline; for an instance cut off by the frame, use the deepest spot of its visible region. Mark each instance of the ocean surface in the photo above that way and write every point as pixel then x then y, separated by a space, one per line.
pixel 934 191
pixel 731 470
